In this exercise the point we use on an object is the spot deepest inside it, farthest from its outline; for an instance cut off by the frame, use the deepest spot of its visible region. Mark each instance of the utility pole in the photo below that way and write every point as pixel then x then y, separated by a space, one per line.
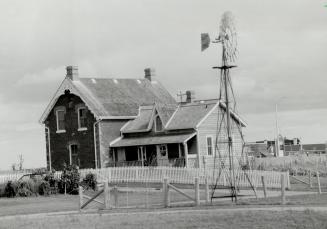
pixel 277 149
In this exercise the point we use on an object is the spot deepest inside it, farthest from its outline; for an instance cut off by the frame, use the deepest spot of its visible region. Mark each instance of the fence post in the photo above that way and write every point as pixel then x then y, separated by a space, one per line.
pixel 116 196
pixel 165 190
pixel 318 180
pixel 207 190
pixel 264 186
pixel 197 191
pixel 282 181
pixel 80 193
pixel 106 196
pixel 310 183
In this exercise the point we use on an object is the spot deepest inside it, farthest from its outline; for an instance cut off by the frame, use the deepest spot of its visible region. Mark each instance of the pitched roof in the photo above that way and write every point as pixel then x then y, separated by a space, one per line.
pixel 113 97
pixel 187 116
pixel 184 116
pixel 143 122
pixel 122 97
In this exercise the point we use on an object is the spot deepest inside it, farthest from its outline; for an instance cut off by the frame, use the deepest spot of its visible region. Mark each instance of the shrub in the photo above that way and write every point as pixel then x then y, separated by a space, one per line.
pixel 69 180
pixel 90 181
pixel 24 189
pixel 44 188
pixel 10 189
pixel 53 183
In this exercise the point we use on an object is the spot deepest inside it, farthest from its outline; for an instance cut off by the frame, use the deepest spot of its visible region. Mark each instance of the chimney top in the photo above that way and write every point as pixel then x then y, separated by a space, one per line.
pixel 148 73
pixel 190 95
pixel 72 72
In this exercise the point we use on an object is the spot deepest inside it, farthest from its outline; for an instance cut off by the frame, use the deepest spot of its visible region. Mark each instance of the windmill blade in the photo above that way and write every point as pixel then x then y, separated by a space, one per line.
pixel 228 35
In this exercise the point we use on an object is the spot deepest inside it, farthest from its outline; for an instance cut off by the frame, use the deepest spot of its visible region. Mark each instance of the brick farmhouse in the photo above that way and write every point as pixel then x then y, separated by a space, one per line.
pixel 101 122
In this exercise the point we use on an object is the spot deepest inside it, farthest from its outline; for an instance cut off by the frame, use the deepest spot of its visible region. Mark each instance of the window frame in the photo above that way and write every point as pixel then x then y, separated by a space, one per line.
pixel 57 120
pixel 166 150
pixel 71 153
pixel 79 128
pixel 155 123
pixel 207 145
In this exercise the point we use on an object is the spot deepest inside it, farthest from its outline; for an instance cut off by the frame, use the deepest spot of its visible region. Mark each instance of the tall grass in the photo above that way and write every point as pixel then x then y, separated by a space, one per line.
pixel 299 164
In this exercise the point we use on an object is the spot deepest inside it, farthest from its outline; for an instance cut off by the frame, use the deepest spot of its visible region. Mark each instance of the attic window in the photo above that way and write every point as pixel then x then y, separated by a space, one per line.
pixel 157 123
pixel 60 120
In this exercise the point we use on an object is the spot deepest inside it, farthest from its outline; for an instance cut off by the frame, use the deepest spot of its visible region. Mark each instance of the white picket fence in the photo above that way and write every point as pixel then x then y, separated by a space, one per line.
pixel 176 175
pixel 4 178
pixel 186 176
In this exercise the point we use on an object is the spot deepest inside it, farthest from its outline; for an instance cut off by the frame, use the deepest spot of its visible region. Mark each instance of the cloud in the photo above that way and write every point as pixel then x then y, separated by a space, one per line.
pixel 47 76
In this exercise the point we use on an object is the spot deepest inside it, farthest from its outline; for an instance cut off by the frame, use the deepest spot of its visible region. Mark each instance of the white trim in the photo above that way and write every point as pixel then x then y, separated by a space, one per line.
pixel 82 129
pixel 186 140
pixel 49 148
pixel 236 116
pixel 117 117
pixel 67 84
pixel 124 126
pixel 57 119
pixel 155 123
pixel 115 140
pixel 172 116
pixel 95 145
pixel 207 115
pixel 207 154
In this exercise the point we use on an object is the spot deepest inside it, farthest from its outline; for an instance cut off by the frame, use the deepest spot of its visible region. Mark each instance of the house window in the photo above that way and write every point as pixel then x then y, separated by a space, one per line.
pixel 209 146
pixel 157 124
pixel 60 116
pixel 82 118
pixel 73 155
pixel 163 150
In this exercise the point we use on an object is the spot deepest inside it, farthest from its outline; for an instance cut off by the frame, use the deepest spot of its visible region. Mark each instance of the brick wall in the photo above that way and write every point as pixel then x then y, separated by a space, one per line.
pixel 60 142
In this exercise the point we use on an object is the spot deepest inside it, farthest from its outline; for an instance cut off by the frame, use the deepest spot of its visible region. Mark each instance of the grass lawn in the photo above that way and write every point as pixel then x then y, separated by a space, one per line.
pixel 23 205
pixel 207 218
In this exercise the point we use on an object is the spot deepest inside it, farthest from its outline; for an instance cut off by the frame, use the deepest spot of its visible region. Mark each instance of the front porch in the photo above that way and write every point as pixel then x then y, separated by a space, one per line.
pixel 175 152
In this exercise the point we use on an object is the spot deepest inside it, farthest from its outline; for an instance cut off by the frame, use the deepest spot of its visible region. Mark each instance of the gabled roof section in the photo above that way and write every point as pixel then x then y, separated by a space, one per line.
pixel 96 108
pixel 187 116
pixel 144 121
pixel 113 98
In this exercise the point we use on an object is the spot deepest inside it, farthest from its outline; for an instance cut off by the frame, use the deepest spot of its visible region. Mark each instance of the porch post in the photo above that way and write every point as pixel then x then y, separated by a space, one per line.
pixel 186 154
pixel 179 150
pixel 142 159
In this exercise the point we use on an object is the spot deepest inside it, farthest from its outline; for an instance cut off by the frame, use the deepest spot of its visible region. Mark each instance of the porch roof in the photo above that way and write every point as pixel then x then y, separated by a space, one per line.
pixel 152 140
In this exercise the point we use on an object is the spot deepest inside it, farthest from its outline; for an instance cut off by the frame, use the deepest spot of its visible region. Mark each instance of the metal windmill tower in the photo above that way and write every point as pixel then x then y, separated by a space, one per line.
pixel 225 143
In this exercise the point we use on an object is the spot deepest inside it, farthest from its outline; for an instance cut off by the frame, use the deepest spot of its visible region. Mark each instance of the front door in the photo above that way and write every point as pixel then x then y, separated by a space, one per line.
pixel 73 155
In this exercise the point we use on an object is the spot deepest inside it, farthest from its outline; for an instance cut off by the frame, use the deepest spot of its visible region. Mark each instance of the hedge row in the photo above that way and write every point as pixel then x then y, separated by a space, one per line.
pixel 46 184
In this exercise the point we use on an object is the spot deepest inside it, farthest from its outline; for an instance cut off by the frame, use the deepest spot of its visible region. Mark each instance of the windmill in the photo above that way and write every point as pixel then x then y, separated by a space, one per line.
pixel 226 159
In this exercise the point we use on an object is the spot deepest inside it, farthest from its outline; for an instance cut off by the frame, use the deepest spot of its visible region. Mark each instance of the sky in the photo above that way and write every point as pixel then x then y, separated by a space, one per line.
pixel 282 58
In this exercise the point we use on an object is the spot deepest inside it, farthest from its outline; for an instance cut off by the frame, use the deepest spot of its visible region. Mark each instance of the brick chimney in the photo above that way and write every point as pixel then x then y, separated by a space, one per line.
pixel 189 96
pixel 72 72
pixel 149 73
